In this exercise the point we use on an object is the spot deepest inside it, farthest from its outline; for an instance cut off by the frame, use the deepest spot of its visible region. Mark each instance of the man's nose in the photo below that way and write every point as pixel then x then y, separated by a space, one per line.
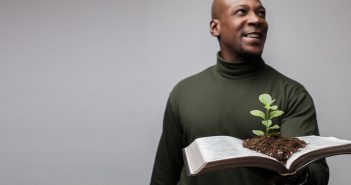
pixel 253 19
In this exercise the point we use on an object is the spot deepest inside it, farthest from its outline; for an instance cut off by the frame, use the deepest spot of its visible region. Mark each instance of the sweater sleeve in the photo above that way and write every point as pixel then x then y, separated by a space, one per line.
pixel 299 120
pixel 169 161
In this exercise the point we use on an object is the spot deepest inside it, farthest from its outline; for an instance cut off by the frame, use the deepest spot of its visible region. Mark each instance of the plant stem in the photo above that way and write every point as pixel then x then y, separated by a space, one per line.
pixel 266 119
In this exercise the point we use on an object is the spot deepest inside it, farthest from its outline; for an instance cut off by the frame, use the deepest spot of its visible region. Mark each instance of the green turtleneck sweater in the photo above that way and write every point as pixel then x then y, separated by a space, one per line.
pixel 217 101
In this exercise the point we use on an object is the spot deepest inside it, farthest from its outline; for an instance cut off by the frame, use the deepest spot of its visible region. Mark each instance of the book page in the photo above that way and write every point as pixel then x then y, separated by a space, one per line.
pixel 224 147
pixel 216 148
pixel 316 143
pixel 194 158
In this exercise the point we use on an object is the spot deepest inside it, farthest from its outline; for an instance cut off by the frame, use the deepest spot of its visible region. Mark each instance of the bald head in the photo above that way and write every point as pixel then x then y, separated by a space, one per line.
pixel 218 6
pixel 240 27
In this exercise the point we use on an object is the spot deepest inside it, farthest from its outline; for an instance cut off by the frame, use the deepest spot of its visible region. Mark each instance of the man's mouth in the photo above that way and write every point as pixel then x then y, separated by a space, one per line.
pixel 254 35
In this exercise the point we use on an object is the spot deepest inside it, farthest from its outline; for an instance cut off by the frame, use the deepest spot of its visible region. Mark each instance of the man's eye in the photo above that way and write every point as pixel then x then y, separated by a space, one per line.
pixel 261 14
pixel 241 12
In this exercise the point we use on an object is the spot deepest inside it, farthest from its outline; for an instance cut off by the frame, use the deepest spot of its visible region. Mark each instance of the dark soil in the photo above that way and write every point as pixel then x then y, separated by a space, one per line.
pixel 279 147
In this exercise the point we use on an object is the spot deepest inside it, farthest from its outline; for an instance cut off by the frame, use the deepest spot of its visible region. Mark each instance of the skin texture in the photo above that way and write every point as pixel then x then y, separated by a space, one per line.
pixel 232 21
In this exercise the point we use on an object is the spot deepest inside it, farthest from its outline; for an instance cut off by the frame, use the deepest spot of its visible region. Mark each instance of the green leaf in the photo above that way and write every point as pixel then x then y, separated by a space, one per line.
pixel 274 107
pixel 258 113
pixel 267 123
pixel 264 122
pixel 266 99
pixel 258 132
pixel 275 113
pixel 274 127
pixel 272 102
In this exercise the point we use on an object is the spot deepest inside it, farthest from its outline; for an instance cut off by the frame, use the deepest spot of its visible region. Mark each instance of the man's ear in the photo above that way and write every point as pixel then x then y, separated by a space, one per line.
pixel 215 27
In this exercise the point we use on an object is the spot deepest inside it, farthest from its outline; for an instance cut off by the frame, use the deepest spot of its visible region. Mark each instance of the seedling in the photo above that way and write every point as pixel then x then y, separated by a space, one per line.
pixel 271 112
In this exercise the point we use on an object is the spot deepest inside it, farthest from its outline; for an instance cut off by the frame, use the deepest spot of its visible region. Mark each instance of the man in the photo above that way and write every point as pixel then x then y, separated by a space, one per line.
pixel 217 101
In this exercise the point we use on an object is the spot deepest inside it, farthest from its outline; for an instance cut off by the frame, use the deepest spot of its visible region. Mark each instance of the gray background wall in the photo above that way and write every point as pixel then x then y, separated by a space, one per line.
pixel 83 84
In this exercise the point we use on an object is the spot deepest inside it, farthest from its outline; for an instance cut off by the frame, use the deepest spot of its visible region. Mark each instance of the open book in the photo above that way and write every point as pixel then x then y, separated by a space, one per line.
pixel 214 153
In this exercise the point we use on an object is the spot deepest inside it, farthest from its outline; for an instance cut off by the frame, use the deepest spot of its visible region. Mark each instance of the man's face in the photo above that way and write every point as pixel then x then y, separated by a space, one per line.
pixel 242 27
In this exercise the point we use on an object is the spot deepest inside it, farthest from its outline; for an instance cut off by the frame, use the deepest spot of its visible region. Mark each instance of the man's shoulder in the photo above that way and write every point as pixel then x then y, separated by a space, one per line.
pixel 194 81
pixel 284 80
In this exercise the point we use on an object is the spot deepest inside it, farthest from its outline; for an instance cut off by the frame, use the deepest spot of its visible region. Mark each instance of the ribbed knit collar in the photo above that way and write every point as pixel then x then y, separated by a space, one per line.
pixel 238 70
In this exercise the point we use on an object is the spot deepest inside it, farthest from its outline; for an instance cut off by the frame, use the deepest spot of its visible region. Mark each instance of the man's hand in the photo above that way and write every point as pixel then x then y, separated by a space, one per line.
pixel 299 178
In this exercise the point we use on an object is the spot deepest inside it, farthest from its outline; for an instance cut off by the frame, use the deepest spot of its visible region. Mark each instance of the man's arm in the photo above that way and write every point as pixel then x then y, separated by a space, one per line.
pixel 169 161
pixel 299 120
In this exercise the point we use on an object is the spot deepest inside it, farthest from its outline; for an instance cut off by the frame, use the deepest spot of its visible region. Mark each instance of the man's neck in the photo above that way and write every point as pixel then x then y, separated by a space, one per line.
pixel 239 58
